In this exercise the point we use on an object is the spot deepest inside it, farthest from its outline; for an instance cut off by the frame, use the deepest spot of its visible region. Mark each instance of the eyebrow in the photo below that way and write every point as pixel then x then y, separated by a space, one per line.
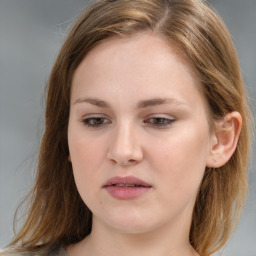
pixel 93 101
pixel 141 104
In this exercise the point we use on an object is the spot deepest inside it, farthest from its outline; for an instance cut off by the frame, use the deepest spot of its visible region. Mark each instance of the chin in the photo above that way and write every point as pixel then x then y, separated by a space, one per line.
pixel 130 223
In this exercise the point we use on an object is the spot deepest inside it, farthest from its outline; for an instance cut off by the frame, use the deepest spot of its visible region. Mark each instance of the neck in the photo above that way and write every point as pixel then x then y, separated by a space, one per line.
pixel 106 241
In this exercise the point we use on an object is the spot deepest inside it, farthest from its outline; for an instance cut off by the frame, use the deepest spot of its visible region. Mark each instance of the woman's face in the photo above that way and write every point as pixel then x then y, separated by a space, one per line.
pixel 138 135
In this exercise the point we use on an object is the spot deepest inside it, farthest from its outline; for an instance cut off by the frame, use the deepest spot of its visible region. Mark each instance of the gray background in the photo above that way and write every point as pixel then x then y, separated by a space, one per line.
pixel 31 32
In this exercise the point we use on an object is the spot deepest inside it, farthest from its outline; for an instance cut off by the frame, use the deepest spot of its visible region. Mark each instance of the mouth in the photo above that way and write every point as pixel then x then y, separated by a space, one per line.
pixel 128 181
pixel 126 188
pixel 127 185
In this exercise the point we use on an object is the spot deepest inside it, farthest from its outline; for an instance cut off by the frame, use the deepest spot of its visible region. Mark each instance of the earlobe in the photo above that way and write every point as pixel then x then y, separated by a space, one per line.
pixel 224 139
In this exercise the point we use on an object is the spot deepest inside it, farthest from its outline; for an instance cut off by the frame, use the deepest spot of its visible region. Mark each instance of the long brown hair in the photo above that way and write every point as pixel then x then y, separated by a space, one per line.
pixel 56 213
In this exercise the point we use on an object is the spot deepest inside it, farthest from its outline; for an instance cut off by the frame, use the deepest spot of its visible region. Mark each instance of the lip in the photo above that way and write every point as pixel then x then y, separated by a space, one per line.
pixel 117 188
pixel 128 180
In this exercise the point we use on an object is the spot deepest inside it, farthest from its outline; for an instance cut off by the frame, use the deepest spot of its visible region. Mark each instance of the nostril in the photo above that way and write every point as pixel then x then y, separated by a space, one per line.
pixel 129 162
pixel 124 155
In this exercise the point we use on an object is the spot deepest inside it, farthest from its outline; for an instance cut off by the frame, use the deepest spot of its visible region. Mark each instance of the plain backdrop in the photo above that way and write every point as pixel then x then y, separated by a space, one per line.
pixel 31 33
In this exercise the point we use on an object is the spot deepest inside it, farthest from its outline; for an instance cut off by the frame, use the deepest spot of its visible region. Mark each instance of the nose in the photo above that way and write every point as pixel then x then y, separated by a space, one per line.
pixel 125 148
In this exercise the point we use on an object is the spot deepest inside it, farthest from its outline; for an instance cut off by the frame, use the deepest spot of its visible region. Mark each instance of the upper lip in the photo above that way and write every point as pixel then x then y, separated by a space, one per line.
pixel 128 180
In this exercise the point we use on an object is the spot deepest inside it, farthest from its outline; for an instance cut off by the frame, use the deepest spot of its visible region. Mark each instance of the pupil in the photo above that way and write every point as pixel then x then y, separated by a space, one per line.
pixel 98 120
pixel 159 120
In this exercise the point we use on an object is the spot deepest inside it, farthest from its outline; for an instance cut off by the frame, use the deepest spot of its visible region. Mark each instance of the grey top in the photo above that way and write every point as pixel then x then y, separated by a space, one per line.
pixel 52 252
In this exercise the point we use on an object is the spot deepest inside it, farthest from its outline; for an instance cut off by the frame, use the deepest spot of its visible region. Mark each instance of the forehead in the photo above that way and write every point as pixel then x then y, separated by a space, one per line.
pixel 143 48
pixel 140 64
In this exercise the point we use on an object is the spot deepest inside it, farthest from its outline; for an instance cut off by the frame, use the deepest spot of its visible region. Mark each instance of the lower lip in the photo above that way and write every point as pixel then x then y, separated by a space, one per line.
pixel 126 193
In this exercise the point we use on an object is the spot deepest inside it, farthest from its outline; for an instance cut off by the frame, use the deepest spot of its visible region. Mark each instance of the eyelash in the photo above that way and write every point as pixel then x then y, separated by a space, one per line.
pixel 87 121
pixel 162 122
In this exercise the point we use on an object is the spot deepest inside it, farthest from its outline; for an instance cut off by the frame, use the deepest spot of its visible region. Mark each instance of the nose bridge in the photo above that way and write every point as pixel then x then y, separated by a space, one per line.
pixel 125 147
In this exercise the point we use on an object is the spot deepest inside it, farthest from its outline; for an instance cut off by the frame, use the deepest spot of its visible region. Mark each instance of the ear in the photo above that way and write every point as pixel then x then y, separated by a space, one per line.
pixel 224 139
pixel 69 158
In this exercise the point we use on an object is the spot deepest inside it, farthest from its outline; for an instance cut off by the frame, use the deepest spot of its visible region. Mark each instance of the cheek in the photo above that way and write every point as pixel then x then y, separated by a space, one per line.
pixel 182 149
pixel 87 156
pixel 181 160
pixel 86 151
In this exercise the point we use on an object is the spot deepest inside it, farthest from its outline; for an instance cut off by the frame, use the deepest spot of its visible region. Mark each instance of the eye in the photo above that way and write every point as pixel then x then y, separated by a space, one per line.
pixel 160 121
pixel 95 121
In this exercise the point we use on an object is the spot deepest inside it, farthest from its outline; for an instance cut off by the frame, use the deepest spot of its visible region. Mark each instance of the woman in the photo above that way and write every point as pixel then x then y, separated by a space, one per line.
pixel 146 136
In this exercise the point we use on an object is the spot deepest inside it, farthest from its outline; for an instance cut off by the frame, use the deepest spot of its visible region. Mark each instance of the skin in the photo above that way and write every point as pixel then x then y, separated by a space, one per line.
pixel 166 145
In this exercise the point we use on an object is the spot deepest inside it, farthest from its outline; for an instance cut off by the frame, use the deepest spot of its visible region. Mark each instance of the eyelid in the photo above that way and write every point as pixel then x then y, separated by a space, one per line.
pixel 85 120
pixel 168 120
pixel 165 116
pixel 96 115
pixel 165 120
